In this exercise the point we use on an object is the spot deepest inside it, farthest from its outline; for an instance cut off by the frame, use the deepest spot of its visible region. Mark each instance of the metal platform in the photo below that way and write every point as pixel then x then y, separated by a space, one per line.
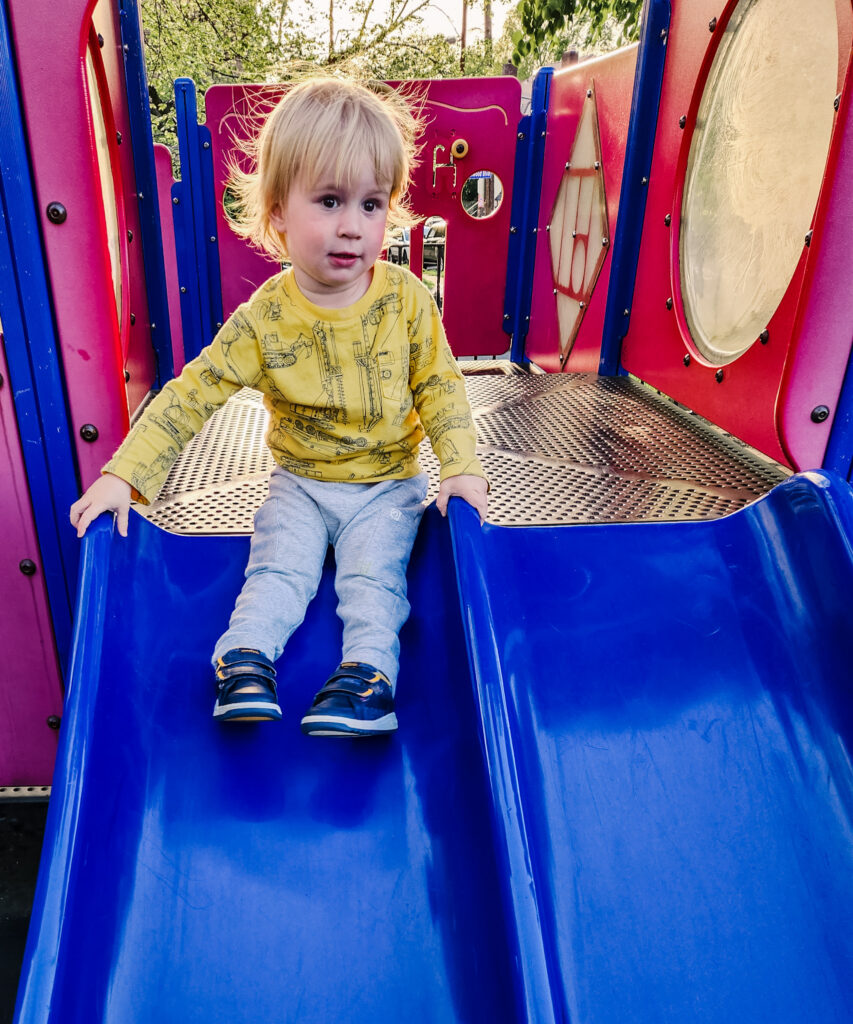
pixel 558 448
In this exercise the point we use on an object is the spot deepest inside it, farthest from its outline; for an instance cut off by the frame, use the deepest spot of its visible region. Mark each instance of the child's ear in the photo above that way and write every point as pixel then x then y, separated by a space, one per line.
pixel 277 219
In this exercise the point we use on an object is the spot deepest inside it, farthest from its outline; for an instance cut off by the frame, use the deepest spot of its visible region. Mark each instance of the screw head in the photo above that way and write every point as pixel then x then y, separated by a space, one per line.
pixel 53 721
pixel 669 303
pixel 820 413
pixel 205 145
pixel 126 376
pixel 132 319
pixel 100 40
pixel 89 432
pixel 118 138
pixel 809 238
pixel 27 566
pixel 175 200
pixel 589 94
pixel 645 181
pixel 668 219
pixel 712 24
pixel 837 101
pixel 718 376
pixel 682 121
pixel 686 359
pixel 56 213
pixel 129 235
pixel 764 337
pixel 521 136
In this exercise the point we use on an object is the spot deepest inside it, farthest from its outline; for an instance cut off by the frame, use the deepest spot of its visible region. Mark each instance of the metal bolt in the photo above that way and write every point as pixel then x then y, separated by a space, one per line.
pixel 669 303
pixel 53 721
pixel 712 24
pixel 555 291
pixel 718 376
pixel 513 231
pixel 56 213
pixel 668 219
pixel 89 432
pixel 809 238
pixel 542 135
pixel 663 33
pixel 118 138
pixel 547 227
pixel 27 566
pixel 568 165
pixel 764 337
pixel 682 121
pixel 589 94
pixel 837 101
pixel 183 290
pixel 582 305
pixel 218 326
pixel 140 196
pixel 175 200
pixel 126 48
pixel 213 238
pixel 574 234
pixel 535 230
pixel 686 359
pixel 626 312
pixel 126 376
pixel 129 235
pixel 645 181
pixel 205 145
pixel 605 242
pixel 597 165
pixel 506 316
pixel 132 319
pixel 100 40
pixel 820 413
pixel 521 136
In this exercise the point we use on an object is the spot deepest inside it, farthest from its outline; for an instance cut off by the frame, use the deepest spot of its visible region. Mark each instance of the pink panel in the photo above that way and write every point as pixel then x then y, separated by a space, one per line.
pixel 30 688
pixel 163 166
pixel 747 401
pixel 50 39
pixel 484 112
pixel 612 78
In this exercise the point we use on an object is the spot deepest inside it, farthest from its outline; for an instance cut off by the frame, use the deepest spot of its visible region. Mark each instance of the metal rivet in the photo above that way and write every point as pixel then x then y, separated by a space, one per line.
pixel 574 234
pixel 555 291
pixel 542 135
pixel 718 376
pixel 126 376
pixel 809 238
pixel 589 94
pixel 582 305
pixel 626 312
pixel 132 319
pixel 53 721
pixel 682 121
pixel 535 230
pixel 605 241
pixel 521 136
pixel 175 200
pixel 668 219
pixel 205 145
pixel 645 181
pixel 669 303
pixel 506 316
pixel 513 231
pixel 218 326
pixel 89 432
pixel 686 359
pixel 27 566
pixel 183 290
pixel 213 238
pixel 126 48
pixel 712 24
pixel 597 165
pixel 140 196
pixel 118 137
pixel 837 101
pixel 56 213
pixel 527 318
pixel 820 413
pixel 568 165
pixel 663 33
pixel 100 40
pixel 764 337
pixel 547 227
pixel 129 235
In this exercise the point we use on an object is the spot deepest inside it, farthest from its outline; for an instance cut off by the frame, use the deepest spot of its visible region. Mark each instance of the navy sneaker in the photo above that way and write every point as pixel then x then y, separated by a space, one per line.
pixel 245 686
pixel 356 700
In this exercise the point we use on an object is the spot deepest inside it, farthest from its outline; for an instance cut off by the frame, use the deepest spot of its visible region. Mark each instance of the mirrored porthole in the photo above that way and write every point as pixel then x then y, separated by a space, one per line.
pixel 482 194
pixel 755 167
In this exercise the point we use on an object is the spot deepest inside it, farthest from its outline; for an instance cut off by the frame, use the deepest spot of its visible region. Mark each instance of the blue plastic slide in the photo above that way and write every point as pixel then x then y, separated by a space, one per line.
pixel 637 808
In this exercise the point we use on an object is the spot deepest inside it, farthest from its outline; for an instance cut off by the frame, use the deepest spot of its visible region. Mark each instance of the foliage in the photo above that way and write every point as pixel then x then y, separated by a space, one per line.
pixel 542 21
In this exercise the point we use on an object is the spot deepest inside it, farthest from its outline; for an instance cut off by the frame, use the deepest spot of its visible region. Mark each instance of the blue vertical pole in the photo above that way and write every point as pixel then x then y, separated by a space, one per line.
pixel 526 195
pixel 648 80
pixel 142 143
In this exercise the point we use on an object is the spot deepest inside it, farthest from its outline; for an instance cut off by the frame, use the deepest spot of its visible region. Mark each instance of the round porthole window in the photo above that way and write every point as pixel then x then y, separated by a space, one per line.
pixel 755 166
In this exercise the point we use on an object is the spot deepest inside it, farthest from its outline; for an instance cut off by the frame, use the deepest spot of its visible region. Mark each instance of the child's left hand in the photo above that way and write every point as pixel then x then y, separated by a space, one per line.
pixel 473 489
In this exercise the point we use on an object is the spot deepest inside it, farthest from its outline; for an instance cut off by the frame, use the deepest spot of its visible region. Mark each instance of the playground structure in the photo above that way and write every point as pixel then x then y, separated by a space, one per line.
pixel 622 788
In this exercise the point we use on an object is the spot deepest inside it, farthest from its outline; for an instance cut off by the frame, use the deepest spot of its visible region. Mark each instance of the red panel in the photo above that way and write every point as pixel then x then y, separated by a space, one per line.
pixel 746 401
pixel 50 42
pixel 165 180
pixel 612 78
pixel 484 112
pixel 30 688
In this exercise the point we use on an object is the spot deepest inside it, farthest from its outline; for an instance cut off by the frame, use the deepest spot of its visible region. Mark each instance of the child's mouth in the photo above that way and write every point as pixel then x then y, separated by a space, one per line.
pixel 343 259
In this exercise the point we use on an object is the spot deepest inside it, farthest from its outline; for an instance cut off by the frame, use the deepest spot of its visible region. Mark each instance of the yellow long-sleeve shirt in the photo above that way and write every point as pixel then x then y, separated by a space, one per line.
pixel 351 392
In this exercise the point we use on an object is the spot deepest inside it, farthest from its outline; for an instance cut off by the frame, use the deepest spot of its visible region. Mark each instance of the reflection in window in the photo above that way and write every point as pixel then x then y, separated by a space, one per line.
pixel 432 270
pixel 106 174
pixel 755 168
pixel 482 194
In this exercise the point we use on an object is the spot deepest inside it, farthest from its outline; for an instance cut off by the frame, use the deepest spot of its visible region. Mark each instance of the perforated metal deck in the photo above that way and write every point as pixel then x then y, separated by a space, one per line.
pixel 558 449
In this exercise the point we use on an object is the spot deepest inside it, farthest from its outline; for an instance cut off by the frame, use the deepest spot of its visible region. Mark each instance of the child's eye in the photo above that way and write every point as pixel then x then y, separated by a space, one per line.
pixel 330 202
pixel 372 205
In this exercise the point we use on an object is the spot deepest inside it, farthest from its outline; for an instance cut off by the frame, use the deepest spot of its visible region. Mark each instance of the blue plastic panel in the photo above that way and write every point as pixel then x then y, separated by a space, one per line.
pixel 195 873
pixel 668 722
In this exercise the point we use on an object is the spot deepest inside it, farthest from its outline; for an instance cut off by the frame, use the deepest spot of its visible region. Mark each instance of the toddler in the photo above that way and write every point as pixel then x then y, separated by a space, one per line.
pixel 351 357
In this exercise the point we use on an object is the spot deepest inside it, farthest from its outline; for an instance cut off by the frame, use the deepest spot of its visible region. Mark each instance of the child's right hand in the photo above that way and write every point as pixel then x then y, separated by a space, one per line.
pixel 109 493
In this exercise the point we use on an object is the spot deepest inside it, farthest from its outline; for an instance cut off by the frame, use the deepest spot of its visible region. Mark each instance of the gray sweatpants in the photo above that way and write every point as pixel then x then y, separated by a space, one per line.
pixel 372 528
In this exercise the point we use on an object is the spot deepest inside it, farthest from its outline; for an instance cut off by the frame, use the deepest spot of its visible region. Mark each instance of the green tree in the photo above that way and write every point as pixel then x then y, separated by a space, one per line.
pixel 544 20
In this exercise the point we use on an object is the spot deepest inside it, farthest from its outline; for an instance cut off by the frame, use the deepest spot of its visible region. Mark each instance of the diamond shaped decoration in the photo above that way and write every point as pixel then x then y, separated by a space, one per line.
pixel 578 229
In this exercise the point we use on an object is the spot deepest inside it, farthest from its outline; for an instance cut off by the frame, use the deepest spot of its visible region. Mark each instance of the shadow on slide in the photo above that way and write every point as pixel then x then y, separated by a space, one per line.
pixel 639 812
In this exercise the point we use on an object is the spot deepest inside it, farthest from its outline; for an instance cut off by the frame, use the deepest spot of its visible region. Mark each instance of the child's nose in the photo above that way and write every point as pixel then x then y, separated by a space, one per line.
pixel 348 223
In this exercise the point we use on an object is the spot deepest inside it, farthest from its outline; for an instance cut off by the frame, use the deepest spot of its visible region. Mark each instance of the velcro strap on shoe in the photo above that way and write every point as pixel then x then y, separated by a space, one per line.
pixel 245 656
pixel 340 683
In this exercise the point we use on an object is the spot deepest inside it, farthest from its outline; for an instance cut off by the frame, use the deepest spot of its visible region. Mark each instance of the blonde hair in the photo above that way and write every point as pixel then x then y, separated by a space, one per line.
pixel 318 125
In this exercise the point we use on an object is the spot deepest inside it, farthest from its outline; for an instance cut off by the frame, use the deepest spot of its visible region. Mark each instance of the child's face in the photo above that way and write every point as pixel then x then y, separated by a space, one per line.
pixel 334 234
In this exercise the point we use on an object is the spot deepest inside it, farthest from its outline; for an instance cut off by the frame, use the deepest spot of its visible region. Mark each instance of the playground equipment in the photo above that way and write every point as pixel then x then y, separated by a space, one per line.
pixel 622 786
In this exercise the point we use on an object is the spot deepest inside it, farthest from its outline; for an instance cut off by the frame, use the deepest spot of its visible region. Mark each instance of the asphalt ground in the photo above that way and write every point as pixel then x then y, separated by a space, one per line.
pixel 21 832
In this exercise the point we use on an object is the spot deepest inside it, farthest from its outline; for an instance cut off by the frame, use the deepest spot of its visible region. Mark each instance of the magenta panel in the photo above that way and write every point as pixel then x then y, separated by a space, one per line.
pixel 30 688
pixel 165 180
pixel 612 80
pixel 51 37
pixel 750 398
pixel 482 112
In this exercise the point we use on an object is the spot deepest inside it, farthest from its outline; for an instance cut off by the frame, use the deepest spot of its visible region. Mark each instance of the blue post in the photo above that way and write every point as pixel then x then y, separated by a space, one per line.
pixel 645 103
pixel 526 195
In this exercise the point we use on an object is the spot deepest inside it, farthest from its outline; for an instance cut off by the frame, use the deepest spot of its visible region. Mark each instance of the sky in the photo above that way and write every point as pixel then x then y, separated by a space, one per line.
pixel 444 17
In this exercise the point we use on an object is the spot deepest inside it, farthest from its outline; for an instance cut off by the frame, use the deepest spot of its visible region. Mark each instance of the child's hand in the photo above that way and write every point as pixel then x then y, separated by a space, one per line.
pixel 109 493
pixel 473 489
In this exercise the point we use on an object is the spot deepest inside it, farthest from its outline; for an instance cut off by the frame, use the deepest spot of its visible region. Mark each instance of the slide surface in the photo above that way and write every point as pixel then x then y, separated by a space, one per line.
pixel 639 810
